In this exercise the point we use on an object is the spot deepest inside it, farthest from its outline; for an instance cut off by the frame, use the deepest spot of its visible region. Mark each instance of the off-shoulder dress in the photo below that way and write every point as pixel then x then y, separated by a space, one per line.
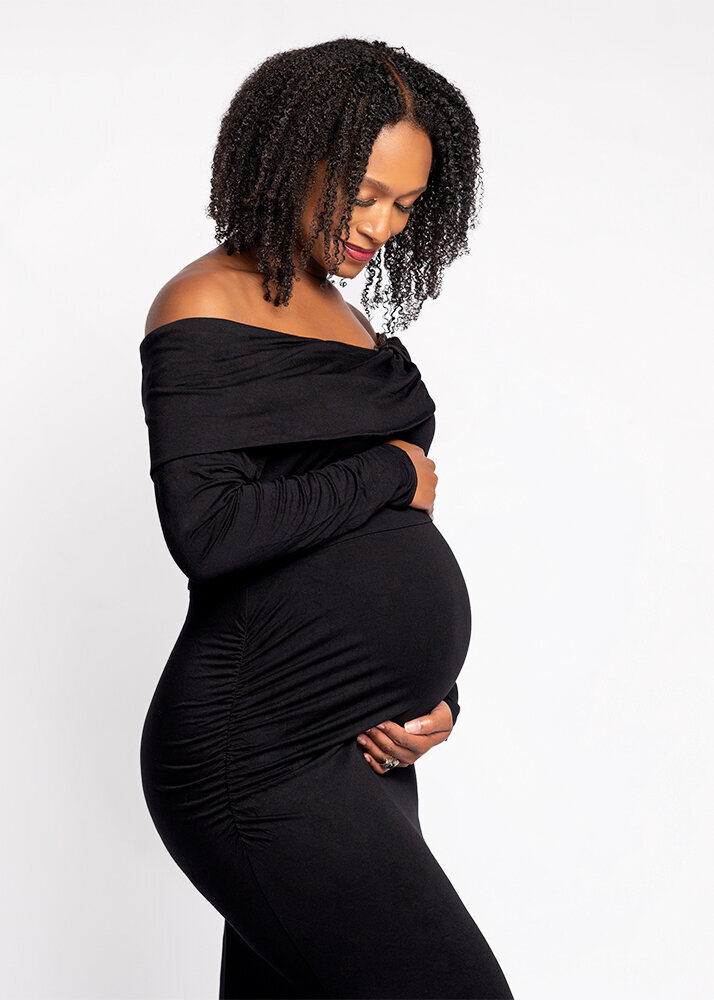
pixel 320 604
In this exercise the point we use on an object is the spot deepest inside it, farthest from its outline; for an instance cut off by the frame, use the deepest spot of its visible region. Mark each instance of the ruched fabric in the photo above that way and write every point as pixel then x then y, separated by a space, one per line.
pixel 212 385
pixel 320 604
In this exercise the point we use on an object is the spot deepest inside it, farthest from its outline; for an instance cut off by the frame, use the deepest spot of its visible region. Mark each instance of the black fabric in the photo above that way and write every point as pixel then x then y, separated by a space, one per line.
pixel 320 604
pixel 212 385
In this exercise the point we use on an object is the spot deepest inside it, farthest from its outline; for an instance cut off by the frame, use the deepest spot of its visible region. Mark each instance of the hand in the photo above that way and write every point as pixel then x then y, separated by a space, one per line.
pixel 427 479
pixel 406 746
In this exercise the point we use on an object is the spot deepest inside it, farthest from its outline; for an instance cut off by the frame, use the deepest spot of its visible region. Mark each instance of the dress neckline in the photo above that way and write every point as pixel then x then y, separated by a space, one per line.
pixel 263 329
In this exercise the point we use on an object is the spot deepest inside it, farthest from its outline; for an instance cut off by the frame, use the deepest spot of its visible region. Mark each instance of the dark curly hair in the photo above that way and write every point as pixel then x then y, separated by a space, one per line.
pixel 331 100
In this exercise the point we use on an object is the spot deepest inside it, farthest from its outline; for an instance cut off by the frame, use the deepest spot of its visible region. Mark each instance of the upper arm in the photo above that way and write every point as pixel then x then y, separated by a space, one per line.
pixel 193 294
pixel 363 320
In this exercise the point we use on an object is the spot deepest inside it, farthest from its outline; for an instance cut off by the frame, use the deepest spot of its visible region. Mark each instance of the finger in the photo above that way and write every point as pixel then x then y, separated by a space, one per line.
pixel 373 763
pixel 429 723
pixel 392 739
pixel 425 741
pixel 406 741
pixel 379 748
pixel 378 766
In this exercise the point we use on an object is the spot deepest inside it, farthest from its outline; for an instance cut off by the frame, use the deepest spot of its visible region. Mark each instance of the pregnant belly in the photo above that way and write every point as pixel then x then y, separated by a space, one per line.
pixel 294 659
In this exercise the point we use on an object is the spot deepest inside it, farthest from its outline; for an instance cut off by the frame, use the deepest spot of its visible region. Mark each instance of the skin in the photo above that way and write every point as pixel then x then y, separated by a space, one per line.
pixel 400 160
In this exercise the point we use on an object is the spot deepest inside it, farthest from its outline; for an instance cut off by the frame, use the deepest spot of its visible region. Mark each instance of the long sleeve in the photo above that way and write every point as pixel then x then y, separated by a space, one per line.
pixel 218 516
pixel 452 700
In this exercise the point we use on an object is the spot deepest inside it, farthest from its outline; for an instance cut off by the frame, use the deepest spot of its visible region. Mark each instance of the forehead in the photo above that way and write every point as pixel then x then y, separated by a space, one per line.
pixel 400 159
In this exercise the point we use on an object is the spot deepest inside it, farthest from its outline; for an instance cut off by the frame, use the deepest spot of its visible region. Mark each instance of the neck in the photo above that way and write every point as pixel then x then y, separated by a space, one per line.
pixel 316 274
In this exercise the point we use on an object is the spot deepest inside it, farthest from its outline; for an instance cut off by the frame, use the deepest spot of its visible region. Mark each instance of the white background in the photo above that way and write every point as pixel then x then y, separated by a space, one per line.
pixel 570 359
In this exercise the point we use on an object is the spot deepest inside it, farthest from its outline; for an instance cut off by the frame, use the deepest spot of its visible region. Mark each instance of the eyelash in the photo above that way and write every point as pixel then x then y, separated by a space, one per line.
pixel 407 209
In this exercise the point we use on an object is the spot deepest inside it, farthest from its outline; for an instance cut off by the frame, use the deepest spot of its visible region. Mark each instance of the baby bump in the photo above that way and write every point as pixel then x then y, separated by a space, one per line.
pixel 375 625
pixel 292 659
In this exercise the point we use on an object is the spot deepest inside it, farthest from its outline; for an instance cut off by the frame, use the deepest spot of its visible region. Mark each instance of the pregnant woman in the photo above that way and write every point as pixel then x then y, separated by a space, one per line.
pixel 327 618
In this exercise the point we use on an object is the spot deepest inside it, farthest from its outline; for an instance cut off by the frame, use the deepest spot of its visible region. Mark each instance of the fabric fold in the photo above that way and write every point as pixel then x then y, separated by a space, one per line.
pixel 212 384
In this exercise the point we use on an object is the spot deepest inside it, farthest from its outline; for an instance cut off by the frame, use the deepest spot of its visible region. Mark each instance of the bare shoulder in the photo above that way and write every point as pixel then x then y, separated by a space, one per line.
pixel 363 320
pixel 190 293
pixel 209 287
pixel 204 288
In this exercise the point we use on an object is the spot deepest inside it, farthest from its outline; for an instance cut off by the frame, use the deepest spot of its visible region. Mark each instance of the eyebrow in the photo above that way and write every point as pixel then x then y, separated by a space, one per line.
pixel 387 189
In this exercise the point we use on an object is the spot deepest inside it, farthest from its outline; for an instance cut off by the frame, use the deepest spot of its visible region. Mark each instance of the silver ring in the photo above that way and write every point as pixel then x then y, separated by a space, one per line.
pixel 389 762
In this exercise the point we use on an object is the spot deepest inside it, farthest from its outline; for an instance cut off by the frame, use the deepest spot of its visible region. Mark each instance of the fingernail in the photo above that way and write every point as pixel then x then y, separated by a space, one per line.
pixel 361 739
pixel 413 727
pixel 367 757
pixel 381 725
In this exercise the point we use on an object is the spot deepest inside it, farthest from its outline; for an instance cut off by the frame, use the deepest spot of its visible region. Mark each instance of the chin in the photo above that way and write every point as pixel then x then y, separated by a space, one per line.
pixel 349 267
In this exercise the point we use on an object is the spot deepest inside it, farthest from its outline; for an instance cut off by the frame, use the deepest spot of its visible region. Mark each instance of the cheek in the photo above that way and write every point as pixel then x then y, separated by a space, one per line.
pixel 400 223
pixel 337 212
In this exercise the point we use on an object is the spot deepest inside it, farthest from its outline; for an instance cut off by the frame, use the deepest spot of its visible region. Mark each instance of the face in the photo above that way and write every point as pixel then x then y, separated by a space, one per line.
pixel 396 174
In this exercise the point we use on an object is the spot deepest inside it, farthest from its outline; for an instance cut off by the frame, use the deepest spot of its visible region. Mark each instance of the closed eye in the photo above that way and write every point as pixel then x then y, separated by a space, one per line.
pixel 402 208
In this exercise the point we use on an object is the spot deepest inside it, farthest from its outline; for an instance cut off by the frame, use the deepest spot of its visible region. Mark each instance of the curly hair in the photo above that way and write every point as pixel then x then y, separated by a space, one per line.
pixel 330 101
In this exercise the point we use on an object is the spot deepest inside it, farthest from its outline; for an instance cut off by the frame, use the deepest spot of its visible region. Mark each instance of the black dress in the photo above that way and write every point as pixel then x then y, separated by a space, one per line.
pixel 320 604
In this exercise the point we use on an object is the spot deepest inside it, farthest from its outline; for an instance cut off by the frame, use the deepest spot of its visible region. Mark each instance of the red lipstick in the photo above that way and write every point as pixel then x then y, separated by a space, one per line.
pixel 357 253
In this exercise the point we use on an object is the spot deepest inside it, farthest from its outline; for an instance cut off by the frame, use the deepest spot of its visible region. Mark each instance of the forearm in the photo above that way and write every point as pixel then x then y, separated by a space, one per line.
pixel 217 519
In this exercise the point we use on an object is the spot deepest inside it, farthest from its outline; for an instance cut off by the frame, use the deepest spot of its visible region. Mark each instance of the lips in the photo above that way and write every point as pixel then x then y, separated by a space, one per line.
pixel 357 253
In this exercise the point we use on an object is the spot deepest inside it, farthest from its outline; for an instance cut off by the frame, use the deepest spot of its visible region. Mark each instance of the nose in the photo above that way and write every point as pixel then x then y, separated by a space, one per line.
pixel 377 227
